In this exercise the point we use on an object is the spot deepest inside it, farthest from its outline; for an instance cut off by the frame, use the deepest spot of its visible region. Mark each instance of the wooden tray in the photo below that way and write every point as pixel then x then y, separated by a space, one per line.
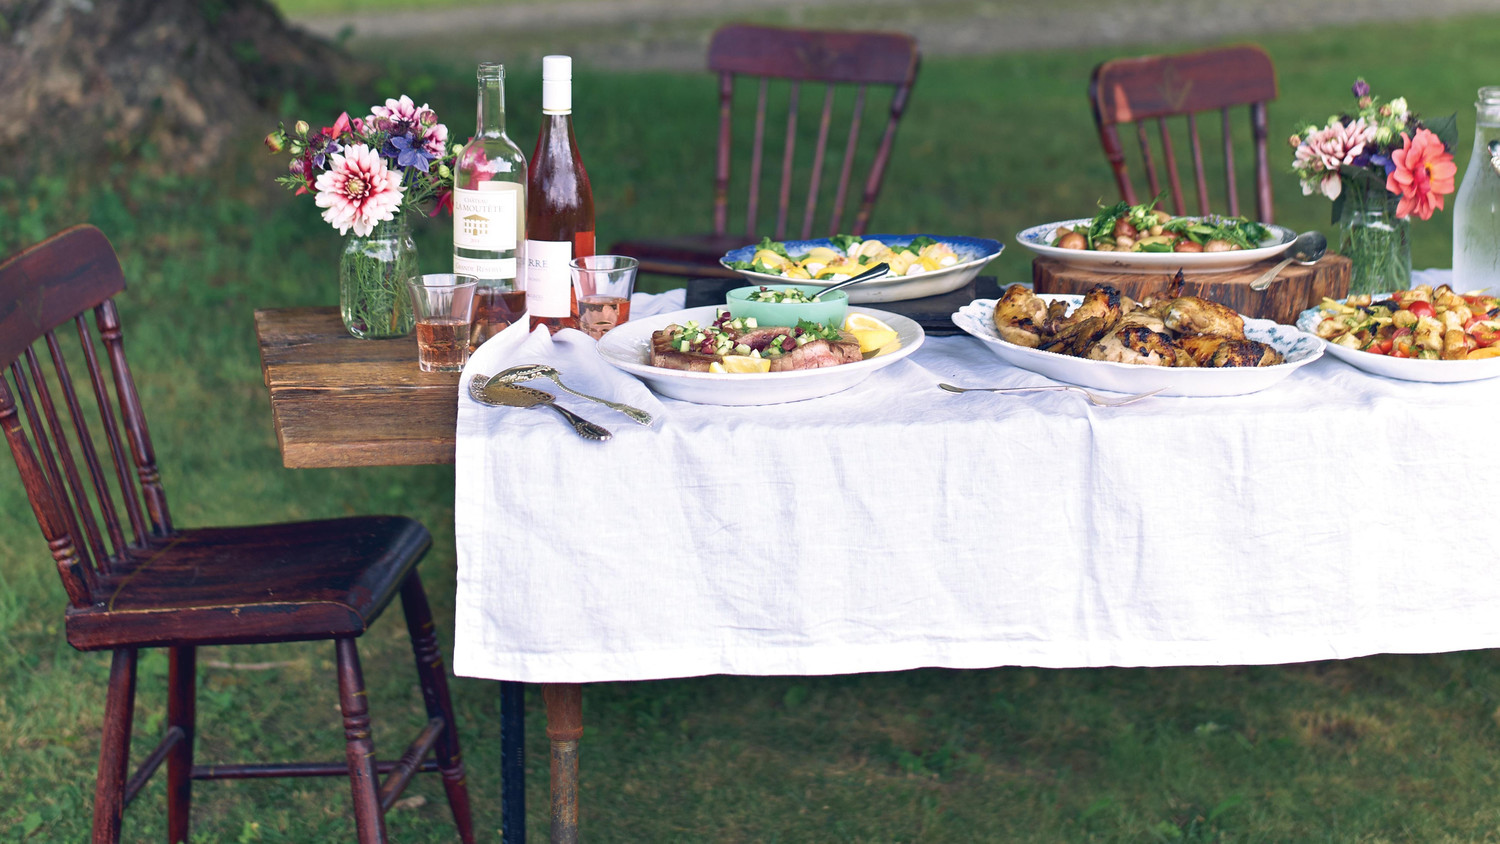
pixel 1297 289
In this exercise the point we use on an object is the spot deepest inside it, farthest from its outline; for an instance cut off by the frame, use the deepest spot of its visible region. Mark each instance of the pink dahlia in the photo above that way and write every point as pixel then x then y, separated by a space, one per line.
pixel 1424 171
pixel 401 117
pixel 1325 150
pixel 435 137
pixel 358 190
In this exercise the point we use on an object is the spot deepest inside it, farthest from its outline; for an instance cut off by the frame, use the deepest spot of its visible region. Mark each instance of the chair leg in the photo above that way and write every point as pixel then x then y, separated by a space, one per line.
pixel 434 681
pixel 182 689
pixel 114 749
pixel 369 821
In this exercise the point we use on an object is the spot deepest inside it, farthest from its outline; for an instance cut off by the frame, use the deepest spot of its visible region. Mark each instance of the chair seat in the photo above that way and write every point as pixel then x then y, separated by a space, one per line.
pixel 264 583
pixel 696 256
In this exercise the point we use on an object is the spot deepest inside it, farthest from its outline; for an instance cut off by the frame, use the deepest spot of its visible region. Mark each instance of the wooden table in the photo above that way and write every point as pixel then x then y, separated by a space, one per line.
pixel 338 401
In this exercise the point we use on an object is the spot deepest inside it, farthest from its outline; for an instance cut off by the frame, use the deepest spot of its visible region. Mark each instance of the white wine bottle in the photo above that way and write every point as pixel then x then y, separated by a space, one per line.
pixel 489 213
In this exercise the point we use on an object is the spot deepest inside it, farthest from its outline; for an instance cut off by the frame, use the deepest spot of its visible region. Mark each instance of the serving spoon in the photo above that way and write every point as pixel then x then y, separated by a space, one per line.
pixel 1307 249
pixel 515 395
pixel 874 272
pixel 533 371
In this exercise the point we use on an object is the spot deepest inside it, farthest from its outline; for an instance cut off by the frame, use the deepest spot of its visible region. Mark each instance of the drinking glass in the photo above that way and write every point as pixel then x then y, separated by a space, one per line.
pixel 444 305
pixel 603 284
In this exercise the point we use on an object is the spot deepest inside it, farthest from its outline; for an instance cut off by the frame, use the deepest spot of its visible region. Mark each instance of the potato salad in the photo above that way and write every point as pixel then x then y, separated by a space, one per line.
pixel 848 256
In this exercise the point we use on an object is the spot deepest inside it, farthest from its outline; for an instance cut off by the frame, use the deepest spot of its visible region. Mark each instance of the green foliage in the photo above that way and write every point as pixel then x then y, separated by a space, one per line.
pixel 1391 748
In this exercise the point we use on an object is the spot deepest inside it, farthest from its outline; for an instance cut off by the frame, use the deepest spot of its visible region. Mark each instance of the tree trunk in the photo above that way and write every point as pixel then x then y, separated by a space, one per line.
pixel 88 80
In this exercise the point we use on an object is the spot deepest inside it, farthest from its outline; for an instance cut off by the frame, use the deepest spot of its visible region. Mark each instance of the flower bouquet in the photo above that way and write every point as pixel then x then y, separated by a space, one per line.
pixel 368 174
pixel 1380 165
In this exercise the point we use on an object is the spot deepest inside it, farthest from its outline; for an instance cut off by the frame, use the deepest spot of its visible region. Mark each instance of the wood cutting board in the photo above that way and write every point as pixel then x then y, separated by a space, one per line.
pixel 1297 289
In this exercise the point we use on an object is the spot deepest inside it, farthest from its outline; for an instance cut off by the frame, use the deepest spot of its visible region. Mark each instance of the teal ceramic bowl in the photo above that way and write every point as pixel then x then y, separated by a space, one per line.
pixel 830 310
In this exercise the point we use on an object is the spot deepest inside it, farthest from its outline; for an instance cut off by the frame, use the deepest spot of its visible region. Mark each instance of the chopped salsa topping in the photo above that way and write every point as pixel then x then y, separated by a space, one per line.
pixel 778 295
pixel 727 335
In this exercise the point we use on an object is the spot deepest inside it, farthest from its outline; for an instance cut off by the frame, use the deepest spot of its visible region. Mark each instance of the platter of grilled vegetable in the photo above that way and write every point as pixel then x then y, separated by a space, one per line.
pixel 1421 334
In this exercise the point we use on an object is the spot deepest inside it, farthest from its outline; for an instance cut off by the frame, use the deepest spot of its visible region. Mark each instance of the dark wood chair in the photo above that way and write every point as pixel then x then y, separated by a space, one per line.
pixel 841 61
pixel 1154 88
pixel 134 580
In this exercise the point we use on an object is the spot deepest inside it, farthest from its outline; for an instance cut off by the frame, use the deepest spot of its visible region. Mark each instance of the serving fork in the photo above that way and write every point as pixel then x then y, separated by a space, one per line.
pixel 1094 398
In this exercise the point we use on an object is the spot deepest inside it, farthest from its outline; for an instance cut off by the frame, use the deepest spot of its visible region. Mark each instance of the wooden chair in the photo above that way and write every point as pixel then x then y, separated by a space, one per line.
pixel 1154 88
pixel 859 59
pixel 135 581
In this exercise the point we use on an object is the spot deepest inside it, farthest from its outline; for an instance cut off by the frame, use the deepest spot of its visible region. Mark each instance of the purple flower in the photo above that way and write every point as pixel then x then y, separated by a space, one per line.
pixel 1361 88
pixel 1383 161
pixel 406 153
pixel 320 146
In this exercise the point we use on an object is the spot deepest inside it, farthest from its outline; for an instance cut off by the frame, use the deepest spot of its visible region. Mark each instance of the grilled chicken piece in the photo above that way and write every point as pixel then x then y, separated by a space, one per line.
pixel 1075 339
pixel 1056 313
pixel 1019 315
pixel 1137 344
pixel 1103 301
pixel 1192 315
pixel 1218 352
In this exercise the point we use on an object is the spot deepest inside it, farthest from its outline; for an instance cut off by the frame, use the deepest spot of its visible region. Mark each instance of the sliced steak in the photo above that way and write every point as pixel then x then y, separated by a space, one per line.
pixel 664 355
pixel 818 354
pixel 813 355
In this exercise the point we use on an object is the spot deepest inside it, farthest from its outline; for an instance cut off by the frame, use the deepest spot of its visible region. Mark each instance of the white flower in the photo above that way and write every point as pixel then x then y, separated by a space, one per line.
pixel 358 190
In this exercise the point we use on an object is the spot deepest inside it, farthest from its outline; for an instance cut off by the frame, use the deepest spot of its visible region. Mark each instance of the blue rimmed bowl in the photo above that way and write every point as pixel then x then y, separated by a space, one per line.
pixel 973 253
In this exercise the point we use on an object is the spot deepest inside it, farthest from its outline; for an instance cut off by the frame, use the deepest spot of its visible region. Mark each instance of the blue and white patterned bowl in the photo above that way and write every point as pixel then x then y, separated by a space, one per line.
pixel 1403 369
pixel 1039 240
pixel 973 253
pixel 978 319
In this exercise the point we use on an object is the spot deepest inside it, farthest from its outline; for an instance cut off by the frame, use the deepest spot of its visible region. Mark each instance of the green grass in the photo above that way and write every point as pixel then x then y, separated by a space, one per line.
pixel 1384 749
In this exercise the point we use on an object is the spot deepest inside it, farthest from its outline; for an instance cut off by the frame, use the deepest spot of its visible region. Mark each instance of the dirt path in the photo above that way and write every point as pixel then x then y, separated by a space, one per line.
pixel 672 34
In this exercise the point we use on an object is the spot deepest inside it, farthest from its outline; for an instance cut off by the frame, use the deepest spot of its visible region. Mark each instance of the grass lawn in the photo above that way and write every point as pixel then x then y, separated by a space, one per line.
pixel 1389 748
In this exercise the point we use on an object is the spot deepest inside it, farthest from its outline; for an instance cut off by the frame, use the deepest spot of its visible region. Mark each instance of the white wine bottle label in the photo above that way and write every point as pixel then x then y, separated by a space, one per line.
pixel 486 269
pixel 548 279
pixel 486 219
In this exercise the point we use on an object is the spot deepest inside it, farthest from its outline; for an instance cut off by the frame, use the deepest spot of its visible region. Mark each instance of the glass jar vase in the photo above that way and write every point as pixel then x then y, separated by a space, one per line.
pixel 373 271
pixel 1376 241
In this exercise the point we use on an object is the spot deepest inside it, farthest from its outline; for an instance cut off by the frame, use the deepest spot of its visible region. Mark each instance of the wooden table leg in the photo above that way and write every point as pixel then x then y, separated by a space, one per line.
pixel 512 763
pixel 564 729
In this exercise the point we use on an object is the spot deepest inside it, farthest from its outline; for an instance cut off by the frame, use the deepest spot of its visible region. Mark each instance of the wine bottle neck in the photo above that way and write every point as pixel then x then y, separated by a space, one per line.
pixel 491 107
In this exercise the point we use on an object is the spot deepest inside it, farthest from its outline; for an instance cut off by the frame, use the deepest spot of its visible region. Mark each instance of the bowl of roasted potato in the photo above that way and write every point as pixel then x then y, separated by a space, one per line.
pixel 1144 239
pixel 921 265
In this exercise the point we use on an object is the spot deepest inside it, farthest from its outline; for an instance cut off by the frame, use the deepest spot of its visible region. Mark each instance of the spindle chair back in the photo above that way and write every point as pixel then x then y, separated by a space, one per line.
pixel 73 419
pixel 1152 89
pixel 827 187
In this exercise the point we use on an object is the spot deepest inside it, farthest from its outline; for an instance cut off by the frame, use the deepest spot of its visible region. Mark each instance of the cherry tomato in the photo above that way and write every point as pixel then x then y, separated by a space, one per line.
pixel 1401 343
pixel 1485 336
pixel 1380 347
pixel 1421 309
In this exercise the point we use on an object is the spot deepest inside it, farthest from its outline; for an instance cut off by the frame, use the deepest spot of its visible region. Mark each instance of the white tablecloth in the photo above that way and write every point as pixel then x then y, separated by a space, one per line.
pixel 895 525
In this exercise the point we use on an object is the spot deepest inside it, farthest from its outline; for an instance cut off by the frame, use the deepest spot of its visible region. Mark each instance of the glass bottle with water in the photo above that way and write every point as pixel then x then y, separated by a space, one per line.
pixel 1476 210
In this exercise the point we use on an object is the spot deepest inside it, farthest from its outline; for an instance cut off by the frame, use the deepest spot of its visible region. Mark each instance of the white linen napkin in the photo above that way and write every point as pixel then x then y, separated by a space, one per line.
pixel 576 357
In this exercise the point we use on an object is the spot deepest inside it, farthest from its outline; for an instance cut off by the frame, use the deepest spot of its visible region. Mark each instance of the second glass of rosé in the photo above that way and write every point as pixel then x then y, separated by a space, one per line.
pixel 602 285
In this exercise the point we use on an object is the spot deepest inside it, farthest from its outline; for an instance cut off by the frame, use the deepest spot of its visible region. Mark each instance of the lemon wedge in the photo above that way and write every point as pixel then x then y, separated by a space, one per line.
pixel 740 364
pixel 871 333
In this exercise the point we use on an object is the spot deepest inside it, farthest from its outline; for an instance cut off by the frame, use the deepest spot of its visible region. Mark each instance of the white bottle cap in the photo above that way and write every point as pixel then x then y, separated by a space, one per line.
pixel 557 84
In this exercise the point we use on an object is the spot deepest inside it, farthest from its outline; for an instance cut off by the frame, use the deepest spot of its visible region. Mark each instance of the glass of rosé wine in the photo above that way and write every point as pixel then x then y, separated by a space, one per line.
pixel 444 305
pixel 602 284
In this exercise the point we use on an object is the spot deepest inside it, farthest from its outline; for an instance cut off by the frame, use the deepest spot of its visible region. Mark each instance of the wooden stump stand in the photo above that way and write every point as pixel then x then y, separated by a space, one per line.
pixel 1297 289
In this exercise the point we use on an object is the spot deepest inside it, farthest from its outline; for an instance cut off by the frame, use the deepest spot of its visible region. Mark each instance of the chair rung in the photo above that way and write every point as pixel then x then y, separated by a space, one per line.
pixel 143 773
pixel 292 769
pixel 410 761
